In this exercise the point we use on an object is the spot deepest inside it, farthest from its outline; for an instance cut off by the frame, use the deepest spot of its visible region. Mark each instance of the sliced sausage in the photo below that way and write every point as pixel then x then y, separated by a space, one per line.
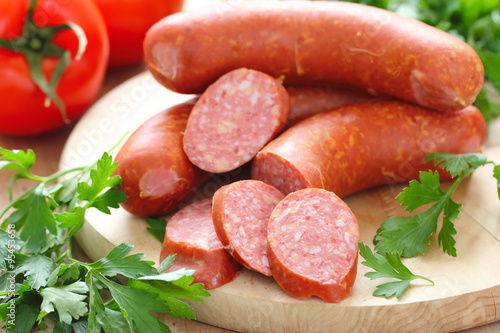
pixel 320 42
pixel 313 245
pixel 156 173
pixel 190 234
pixel 234 118
pixel 307 100
pixel 364 145
pixel 240 212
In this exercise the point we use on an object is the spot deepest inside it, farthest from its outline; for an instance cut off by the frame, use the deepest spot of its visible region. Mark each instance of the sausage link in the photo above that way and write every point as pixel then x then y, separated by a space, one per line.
pixel 156 174
pixel 364 145
pixel 317 42
pixel 307 100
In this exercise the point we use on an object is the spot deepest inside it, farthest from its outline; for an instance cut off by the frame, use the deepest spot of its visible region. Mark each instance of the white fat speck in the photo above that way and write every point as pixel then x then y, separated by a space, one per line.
pixel 254 98
pixel 243 85
pixel 347 237
pixel 315 250
pixel 297 235
pixel 283 228
pixel 265 261
pixel 340 223
pixel 242 231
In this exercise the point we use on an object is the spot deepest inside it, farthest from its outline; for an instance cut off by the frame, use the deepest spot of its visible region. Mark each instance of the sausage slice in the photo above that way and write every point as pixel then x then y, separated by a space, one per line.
pixel 313 245
pixel 241 212
pixel 233 119
pixel 190 234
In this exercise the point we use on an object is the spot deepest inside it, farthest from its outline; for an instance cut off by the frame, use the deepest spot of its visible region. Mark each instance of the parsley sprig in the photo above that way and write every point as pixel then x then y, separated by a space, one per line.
pixel 410 235
pixel 39 278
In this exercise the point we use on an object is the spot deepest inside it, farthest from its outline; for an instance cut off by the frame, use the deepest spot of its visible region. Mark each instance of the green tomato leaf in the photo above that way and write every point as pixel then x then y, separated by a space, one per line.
pixel 67 300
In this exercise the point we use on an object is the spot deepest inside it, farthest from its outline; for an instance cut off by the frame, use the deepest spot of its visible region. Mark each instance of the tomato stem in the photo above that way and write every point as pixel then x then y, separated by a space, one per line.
pixel 36 44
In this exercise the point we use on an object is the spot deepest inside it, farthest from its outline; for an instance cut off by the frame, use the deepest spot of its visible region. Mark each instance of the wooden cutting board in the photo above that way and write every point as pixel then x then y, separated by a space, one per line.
pixel 466 291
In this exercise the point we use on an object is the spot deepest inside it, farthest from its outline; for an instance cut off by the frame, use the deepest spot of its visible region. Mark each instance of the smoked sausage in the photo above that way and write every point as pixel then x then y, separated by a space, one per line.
pixel 156 173
pixel 240 213
pixel 319 42
pixel 313 245
pixel 363 145
pixel 233 119
pixel 190 234
pixel 307 100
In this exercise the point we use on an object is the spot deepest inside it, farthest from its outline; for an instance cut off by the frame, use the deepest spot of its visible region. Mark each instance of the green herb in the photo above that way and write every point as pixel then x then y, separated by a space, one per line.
pixel 407 236
pixel 39 278
pixel 475 22
pixel 410 235
pixel 156 228
pixel 388 266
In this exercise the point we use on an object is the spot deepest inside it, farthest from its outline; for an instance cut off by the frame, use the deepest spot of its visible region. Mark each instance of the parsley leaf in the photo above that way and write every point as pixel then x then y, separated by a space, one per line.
pixel 128 299
pixel 156 228
pixel 75 295
pixel 496 174
pixel 17 160
pixel 407 236
pixel 388 266
pixel 117 262
pixel 34 216
pixel 36 269
pixel 68 300
pixel 457 164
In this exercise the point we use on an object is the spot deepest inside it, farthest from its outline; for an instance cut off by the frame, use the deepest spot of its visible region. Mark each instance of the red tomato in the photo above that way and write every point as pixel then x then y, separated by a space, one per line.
pixel 127 22
pixel 23 111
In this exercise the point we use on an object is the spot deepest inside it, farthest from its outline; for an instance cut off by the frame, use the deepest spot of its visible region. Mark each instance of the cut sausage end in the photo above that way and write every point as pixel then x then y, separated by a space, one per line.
pixel 313 245
pixel 190 234
pixel 234 118
pixel 277 171
pixel 241 212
